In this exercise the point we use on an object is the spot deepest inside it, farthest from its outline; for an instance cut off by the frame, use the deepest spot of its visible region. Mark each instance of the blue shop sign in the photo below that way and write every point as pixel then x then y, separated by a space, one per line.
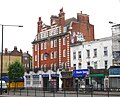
pixel 35 76
pixel 27 76
pixel 54 75
pixel 114 71
pixel 80 73
pixel 45 75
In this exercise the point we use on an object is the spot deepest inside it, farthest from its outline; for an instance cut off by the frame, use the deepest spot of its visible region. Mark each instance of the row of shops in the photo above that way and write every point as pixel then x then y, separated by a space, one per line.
pixel 98 78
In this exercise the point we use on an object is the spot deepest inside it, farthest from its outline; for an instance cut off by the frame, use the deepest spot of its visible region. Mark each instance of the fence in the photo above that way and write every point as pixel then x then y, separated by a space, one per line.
pixel 52 92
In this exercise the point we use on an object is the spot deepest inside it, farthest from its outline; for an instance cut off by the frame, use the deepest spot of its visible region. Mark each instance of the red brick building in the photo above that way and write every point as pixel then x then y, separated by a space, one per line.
pixel 51 47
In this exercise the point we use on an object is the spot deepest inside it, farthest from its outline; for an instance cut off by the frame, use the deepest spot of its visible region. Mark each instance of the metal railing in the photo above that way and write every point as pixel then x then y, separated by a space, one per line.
pixel 65 92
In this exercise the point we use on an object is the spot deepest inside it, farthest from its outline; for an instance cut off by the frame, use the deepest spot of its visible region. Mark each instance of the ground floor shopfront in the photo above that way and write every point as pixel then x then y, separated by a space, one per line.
pixel 67 80
pixel 73 80
pixel 97 77
pixel 43 80
pixel 114 77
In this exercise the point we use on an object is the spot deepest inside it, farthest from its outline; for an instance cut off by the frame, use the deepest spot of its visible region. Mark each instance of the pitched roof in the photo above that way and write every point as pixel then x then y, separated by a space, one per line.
pixel 68 21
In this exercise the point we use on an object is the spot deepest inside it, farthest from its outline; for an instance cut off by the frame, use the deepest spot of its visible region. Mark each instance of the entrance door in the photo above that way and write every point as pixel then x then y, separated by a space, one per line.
pixel 45 83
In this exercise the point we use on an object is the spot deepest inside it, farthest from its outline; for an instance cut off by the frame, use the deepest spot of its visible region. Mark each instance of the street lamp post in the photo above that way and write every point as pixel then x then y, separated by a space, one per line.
pixel 2 49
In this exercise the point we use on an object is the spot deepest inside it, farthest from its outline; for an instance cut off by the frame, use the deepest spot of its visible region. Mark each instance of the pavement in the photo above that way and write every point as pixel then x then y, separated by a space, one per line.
pixel 95 93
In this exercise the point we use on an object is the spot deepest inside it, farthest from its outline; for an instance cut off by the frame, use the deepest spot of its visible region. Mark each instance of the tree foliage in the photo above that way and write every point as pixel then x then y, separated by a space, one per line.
pixel 15 71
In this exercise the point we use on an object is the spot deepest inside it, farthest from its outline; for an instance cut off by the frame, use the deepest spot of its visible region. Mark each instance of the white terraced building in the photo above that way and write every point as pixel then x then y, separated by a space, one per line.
pixel 97 54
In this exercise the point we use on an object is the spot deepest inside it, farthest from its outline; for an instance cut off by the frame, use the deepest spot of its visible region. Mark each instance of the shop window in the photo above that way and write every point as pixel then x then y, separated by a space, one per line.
pixel 28 80
pixel 35 80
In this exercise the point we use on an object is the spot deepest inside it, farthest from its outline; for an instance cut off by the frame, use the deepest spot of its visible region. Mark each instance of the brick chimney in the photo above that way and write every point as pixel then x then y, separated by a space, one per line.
pixel 20 51
pixel 82 18
pixel 39 25
pixel 54 20
pixel 62 18
pixel 15 48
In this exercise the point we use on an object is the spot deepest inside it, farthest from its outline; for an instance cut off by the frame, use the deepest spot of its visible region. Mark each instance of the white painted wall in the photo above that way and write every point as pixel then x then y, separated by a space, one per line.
pixel 97 44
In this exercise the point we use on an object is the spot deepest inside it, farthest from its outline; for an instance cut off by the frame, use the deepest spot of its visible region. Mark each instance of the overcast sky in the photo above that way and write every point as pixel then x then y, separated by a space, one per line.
pixel 26 13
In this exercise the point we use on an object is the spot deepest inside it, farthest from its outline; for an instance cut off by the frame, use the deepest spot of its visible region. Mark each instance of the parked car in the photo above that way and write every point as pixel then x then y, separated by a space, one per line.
pixel 4 87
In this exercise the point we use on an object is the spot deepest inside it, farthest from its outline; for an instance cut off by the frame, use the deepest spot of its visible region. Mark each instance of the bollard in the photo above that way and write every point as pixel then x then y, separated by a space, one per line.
pixel 44 92
pixel 53 92
pixel 20 92
pixel 91 91
pixel 64 93
pixel 77 91
pixel 35 91
pixel 27 91
pixel 108 91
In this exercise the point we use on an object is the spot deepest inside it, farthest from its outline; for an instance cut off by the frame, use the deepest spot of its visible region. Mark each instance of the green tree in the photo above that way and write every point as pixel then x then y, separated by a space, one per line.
pixel 15 71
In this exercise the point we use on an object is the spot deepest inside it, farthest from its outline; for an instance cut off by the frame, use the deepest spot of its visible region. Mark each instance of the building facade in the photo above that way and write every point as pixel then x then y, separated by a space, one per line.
pixel 51 47
pixel 96 54
pixel 114 71
pixel 27 60
pixel 10 57
pixel 116 44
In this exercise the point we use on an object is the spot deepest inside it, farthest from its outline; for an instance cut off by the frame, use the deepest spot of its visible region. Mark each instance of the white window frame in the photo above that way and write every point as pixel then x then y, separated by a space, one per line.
pixel 105 51
pixel 64 40
pixel 74 55
pixel 52 66
pixel 51 55
pixel 95 52
pixel 42 56
pixel 35 47
pixel 41 45
pixel 55 43
pixel 45 45
pixel 95 65
pixel 79 65
pixel 55 66
pixel 51 44
pixel 64 53
pixel 55 54
pixel 45 58
pixel 106 61
pixel 79 55
pixel 88 53
pixel 35 57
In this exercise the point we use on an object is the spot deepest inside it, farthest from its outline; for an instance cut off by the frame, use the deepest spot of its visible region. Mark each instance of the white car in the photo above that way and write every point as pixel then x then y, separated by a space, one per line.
pixel 4 87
